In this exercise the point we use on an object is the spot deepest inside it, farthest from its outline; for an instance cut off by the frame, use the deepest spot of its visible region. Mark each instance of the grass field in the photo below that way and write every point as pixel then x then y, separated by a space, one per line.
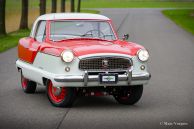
pixel 182 17
pixel 138 4
pixel 11 40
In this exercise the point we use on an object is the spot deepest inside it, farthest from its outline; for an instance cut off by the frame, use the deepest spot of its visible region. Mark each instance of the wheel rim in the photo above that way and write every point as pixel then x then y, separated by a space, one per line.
pixel 57 94
pixel 24 82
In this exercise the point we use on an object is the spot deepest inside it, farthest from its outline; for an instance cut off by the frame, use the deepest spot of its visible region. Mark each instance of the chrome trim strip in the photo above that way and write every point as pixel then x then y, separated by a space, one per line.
pixel 69 78
pixel 104 54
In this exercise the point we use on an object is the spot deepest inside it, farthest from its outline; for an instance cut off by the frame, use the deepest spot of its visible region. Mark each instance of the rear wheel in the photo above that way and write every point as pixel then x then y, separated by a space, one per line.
pixel 129 95
pixel 27 85
pixel 60 96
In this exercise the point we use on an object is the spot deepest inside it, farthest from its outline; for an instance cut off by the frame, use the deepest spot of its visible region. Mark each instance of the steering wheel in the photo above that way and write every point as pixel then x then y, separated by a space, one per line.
pixel 95 33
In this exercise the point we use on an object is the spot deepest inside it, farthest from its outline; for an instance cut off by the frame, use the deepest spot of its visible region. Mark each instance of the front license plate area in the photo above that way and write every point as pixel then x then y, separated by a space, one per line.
pixel 108 78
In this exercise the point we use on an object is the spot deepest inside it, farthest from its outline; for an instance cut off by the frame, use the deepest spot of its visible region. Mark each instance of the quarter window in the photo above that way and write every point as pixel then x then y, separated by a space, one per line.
pixel 41 31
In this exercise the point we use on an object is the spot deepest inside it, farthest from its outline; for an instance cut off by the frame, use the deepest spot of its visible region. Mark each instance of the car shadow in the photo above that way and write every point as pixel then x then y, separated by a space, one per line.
pixel 100 102
pixel 40 90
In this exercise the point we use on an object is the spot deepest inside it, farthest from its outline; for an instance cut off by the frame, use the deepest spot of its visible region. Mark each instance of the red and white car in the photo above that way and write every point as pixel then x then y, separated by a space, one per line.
pixel 76 54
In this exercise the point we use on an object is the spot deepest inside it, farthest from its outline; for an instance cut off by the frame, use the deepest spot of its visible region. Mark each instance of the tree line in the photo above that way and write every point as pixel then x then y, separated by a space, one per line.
pixel 42 10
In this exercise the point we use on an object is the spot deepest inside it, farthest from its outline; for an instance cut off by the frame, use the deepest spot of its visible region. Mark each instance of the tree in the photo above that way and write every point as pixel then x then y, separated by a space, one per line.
pixel 54 6
pixel 42 7
pixel 2 17
pixel 63 5
pixel 24 16
pixel 72 6
pixel 79 6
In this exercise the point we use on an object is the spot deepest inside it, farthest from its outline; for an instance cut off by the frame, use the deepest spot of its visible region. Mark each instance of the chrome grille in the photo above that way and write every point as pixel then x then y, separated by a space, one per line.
pixel 102 63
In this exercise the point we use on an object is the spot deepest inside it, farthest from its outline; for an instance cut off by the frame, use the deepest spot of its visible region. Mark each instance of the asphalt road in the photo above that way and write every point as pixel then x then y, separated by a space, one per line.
pixel 169 97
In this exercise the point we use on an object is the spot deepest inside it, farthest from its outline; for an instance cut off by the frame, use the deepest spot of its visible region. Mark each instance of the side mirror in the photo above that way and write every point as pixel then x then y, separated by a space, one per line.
pixel 125 37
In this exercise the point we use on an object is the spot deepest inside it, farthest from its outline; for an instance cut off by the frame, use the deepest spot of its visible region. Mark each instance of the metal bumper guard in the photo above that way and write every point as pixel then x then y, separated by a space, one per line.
pixel 129 77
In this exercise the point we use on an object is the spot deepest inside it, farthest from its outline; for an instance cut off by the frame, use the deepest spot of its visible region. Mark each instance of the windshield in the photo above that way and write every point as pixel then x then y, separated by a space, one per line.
pixel 61 30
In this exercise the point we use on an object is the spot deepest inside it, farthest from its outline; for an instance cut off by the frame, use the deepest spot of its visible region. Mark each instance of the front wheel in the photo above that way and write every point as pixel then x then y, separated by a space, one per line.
pixel 60 96
pixel 27 85
pixel 129 95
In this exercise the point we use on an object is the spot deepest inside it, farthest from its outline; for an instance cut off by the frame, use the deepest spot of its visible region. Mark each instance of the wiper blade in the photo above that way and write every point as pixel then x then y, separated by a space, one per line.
pixel 81 38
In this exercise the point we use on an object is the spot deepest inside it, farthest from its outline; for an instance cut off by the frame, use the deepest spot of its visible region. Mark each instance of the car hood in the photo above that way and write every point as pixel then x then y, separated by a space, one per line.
pixel 86 47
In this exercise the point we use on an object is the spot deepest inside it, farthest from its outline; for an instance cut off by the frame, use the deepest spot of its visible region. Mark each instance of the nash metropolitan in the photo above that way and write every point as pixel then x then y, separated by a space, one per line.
pixel 75 54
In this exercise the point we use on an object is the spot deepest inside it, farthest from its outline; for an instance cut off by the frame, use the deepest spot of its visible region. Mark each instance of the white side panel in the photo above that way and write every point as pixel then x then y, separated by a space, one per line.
pixel 55 65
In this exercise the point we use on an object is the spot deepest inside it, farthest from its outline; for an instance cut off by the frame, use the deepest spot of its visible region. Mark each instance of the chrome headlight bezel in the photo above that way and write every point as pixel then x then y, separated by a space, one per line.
pixel 143 55
pixel 67 56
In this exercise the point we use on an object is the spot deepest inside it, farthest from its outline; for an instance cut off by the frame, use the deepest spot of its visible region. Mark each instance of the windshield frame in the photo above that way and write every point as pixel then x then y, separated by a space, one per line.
pixel 93 20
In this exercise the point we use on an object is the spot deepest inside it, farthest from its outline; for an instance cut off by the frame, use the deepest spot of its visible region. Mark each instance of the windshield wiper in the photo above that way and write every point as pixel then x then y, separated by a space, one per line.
pixel 81 38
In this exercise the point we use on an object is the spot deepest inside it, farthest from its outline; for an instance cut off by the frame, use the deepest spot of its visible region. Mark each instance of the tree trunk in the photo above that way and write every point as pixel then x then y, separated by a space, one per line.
pixel 54 6
pixel 24 16
pixel 62 5
pixel 72 6
pixel 192 14
pixel 79 6
pixel 42 7
pixel 2 17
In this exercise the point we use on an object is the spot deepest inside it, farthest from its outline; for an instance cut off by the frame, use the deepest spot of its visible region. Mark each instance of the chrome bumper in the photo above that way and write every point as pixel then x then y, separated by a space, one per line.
pixel 128 77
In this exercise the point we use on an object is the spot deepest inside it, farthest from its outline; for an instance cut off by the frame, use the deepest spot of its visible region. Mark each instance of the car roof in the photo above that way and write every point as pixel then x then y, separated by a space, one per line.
pixel 58 16
pixel 66 16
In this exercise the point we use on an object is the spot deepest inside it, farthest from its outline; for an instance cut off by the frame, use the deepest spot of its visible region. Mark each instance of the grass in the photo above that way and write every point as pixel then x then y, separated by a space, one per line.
pixel 90 11
pixel 182 17
pixel 11 39
pixel 137 4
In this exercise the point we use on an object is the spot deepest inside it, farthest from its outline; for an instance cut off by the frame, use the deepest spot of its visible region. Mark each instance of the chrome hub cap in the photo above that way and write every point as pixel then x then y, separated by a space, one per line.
pixel 56 91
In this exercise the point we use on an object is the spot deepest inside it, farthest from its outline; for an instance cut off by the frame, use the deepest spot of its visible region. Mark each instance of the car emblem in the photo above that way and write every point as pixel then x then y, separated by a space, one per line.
pixel 105 63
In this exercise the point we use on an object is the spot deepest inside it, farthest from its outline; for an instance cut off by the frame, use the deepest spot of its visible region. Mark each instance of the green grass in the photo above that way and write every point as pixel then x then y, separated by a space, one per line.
pixel 90 11
pixel 182 17
pixel 11 39
pixel 136 4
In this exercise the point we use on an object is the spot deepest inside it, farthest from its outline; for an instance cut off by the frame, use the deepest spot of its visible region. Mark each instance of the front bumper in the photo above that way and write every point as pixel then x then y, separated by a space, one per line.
pixel 125 79
pixel 84 80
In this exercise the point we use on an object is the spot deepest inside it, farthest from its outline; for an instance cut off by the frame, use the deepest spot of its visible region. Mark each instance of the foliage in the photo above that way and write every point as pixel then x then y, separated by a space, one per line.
pixel 11 39
pixel 182 17
pixel 138 3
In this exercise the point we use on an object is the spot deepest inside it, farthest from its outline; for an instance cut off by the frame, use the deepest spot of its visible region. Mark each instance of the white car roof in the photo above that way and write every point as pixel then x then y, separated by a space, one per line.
pixel 60 16
pixel 54 16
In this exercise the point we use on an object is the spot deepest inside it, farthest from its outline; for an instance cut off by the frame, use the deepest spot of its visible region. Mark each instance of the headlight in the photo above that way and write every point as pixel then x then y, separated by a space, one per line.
pixel 143 55
pixel 67 56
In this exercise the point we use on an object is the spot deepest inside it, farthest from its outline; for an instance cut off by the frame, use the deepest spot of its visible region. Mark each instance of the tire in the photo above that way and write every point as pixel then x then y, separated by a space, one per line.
pixel 64 97
pixel 27 85
pixel 129 95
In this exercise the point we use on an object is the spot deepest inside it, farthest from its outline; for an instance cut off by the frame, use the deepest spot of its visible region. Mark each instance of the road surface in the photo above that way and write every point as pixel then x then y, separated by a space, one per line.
pixel 167 99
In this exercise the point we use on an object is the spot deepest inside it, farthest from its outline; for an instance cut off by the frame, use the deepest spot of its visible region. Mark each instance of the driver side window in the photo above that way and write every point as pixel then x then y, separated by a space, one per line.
pixel 41 31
